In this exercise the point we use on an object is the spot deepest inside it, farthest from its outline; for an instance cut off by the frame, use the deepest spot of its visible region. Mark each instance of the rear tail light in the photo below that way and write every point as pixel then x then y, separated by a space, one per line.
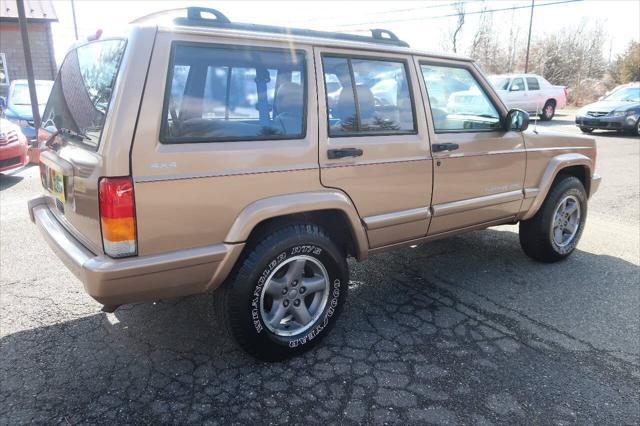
pixel 565 92
pixel 118 216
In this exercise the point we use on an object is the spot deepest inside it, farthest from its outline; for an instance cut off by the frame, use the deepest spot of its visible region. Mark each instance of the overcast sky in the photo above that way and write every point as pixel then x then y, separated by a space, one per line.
pixel 424 24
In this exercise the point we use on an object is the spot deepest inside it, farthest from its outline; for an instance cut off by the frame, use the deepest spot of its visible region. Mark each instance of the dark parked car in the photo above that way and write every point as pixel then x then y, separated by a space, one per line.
pixel 619 111
pixel 18 108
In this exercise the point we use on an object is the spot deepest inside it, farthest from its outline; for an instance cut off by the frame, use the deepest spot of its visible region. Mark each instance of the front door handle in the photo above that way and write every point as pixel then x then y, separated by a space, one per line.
pixel 332 154
pixel 439 147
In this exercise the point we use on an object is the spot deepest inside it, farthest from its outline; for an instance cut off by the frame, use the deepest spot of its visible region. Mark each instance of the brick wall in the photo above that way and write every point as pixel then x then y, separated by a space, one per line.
pixel 44 67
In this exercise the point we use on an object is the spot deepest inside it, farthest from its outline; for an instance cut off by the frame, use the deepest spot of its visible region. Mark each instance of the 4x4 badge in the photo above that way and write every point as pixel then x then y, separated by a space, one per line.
pixel 171 165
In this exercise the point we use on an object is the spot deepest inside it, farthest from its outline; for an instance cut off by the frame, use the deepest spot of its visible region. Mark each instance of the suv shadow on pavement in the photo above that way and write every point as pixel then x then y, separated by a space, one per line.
pixel 424 338
pixel 7 181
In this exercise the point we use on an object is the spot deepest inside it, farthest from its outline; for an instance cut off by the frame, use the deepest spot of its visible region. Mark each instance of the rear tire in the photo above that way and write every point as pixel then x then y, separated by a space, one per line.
pixel 287 293
pixel 586 129
pixel 553 233
pixel 548 111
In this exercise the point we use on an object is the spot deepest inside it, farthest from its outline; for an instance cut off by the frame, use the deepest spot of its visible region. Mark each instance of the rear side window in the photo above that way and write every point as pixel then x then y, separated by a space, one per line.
pixel 80 96
pixel 532 83
pixel 218 94
pixel 366 96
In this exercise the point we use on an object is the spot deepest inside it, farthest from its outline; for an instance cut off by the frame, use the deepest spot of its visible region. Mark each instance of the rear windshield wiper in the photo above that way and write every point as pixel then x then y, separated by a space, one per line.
pixel 67 132
pixel 74 134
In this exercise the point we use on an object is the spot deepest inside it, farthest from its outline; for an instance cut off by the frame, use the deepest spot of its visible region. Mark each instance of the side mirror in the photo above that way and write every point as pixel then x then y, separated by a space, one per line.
pixel 516 120
pixel 515 88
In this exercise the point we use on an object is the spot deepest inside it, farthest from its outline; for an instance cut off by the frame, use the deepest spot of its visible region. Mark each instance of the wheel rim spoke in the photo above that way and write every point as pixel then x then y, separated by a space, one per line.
pixel 301 314
pixel 314 284
pixel 274 288
pixel 558 235
pixel 571 209
pixel 279 311
pixel 295 271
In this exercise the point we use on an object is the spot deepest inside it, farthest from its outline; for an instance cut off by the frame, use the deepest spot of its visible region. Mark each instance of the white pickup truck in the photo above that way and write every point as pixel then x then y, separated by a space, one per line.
pixel 531 93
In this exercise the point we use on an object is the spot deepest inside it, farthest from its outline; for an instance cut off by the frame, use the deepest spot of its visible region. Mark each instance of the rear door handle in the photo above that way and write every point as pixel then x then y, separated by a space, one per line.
pixel 332 154
pixel 439 147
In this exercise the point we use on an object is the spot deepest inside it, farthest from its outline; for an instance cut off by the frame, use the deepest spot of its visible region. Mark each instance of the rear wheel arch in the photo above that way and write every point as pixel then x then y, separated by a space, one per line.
pixel 333 221
pixel 333 211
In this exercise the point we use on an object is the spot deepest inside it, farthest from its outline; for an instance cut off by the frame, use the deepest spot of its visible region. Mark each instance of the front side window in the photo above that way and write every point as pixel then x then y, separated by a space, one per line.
pixel 532 83
pixel 457 101
pixel 517 85
pixel 366 96
pixel 219 94
pixel 500 83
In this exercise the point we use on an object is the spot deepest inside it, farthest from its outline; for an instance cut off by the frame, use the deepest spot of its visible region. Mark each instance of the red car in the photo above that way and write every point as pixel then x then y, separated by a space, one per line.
pixel 13 146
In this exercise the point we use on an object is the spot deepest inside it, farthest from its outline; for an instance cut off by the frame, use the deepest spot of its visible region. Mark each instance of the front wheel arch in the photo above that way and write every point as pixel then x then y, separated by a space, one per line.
pixel 574 164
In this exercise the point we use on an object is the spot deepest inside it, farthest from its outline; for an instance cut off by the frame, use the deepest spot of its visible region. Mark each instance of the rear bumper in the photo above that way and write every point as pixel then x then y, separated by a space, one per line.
pixel 118 281
pixel 12 155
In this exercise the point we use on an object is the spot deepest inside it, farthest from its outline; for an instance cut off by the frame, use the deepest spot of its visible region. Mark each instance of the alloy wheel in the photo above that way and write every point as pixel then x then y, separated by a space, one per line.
pixel 566 221
pixel 294 296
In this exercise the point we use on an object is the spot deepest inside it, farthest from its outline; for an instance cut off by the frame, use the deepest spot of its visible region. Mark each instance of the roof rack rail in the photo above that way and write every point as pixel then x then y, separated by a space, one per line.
pixel 196 16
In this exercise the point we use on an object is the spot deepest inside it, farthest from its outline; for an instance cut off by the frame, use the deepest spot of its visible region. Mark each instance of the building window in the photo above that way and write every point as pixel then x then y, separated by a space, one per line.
pixel 4 74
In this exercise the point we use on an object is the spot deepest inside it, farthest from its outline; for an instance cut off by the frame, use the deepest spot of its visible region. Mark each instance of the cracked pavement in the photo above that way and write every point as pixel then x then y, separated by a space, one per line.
pixel 460 331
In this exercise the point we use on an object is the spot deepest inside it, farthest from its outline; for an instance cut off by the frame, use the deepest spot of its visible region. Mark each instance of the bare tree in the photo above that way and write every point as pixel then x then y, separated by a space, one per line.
pixel 487 46
pixel 459 7
pixel 514 35
pixel 572 57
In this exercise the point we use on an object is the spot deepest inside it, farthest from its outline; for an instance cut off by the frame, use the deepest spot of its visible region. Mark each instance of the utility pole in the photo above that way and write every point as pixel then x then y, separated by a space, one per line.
pixel 22 21
pixel 75 25
pixel 526 61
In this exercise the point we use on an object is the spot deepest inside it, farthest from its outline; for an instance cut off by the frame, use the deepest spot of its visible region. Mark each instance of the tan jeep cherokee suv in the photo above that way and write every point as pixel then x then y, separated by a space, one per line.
pixel 202 154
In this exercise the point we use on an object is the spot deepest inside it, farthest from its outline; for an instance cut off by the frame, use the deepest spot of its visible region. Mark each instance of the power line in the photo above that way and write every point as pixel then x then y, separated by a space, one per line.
pixel 455 14
pixel 384 12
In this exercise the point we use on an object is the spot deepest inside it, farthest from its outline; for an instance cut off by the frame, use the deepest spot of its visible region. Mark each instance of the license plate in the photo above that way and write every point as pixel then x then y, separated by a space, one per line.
pixel 53 180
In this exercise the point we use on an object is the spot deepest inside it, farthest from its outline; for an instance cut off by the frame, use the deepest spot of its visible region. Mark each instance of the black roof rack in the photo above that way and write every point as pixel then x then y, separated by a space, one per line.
pixel 195 18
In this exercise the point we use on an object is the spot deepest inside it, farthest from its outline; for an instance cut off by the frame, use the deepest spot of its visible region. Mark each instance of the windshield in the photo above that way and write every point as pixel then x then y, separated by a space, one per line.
pixel 80 96
pixel 499 83
pixel 20 94
pixel 630 94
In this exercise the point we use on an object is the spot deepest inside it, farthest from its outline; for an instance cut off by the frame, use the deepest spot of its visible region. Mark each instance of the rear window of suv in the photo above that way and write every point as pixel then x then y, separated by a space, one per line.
pixel 80 96
pixel 217 93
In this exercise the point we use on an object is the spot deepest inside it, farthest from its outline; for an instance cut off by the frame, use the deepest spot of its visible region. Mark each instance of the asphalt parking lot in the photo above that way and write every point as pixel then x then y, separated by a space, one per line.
pixel 460 331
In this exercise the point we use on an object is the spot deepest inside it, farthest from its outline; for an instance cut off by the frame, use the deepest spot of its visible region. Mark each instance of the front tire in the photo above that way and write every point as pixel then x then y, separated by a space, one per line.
pixel 553 233
pixel 586 129
pixel 548 111
pixel 287 294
